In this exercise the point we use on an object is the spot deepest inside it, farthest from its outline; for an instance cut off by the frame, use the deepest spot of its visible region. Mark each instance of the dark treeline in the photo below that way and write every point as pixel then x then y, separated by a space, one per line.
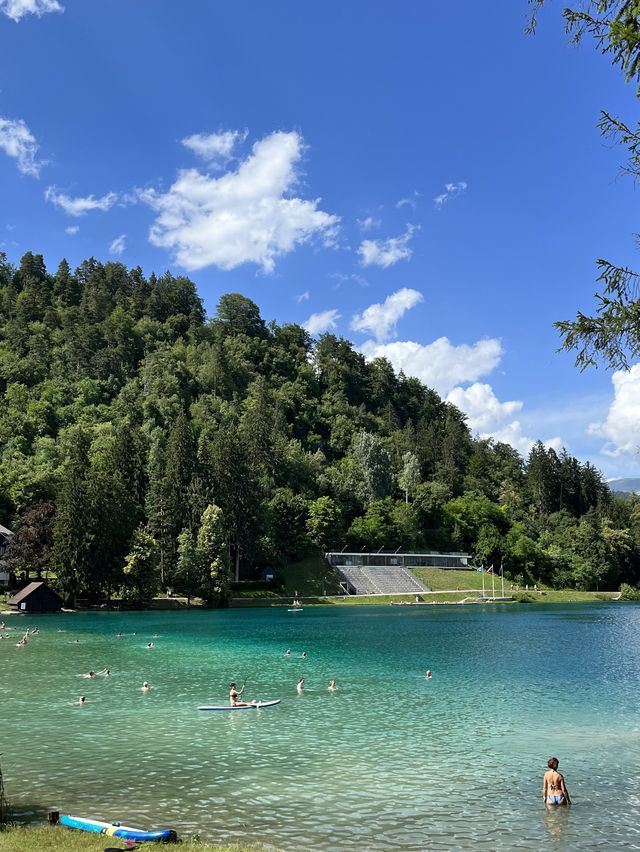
pixel 144 447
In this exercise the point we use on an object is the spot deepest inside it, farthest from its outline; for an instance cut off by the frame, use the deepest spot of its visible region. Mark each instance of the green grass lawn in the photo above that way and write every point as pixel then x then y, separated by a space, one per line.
pixel 61 839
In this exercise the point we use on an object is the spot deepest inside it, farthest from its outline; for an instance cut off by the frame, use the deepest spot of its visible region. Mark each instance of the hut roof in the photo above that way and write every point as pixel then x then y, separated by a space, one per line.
pixel 24 593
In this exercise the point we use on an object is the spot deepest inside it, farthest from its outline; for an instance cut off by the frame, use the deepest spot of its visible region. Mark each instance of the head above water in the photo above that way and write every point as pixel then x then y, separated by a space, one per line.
pixel 552 763
pixel 232 685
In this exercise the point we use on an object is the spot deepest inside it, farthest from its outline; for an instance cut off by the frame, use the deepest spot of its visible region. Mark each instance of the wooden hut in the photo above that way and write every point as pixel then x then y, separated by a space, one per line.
pixel 36 597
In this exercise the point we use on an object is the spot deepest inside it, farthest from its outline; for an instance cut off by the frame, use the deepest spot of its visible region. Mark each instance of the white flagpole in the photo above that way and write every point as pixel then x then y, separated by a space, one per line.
pixel 482 570
pixel 502 575
pixel 493 583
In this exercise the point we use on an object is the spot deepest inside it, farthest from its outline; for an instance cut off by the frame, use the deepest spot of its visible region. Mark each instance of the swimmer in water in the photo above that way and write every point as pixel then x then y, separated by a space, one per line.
pixel 89 674
pixel 80 701
pixel 303 655
pixel 554 790
pixel 150 645
pixel 332 686
pixel 428 675
pixel 145 687
pixel 287 653
pixel 300 685
pixel 105 672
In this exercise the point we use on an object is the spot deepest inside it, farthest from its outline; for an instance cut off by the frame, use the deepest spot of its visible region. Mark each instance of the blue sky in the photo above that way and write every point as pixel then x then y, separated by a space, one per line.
pixel 423 178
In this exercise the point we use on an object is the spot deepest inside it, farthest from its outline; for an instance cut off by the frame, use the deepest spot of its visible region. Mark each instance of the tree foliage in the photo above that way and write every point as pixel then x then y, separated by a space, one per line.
pixel 144 447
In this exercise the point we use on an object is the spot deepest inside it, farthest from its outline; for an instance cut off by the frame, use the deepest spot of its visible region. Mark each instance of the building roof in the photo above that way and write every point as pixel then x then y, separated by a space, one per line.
pixel 23 594
pixel 5 531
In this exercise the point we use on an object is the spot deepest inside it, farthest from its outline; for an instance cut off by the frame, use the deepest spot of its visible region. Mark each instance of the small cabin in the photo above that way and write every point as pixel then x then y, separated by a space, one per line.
pixel 36 597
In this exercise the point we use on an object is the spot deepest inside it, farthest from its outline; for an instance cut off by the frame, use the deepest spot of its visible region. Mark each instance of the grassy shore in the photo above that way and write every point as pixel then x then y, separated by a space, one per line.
pixel 60 839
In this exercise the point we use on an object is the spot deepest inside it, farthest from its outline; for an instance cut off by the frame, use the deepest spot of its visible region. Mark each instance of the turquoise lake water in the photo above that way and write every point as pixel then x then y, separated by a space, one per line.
pixel 390 761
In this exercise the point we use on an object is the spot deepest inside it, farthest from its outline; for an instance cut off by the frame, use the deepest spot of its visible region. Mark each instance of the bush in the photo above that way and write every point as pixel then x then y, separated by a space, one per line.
pixel 629 593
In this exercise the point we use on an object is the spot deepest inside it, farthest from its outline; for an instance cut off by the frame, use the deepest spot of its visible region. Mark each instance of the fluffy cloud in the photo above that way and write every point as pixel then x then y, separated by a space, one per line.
pixel 215 147
pixel 386 253
pixel 323 321
pixel 381 319
pixel 17 9
pixel 440 364
pixel 72 230
pixel 245 216
pixel 79 206
pixel 482 407
pixel 451 190
pixel 17 141
pixel 368 224
pixel 118 246
pixel 622 426
pixel 488 417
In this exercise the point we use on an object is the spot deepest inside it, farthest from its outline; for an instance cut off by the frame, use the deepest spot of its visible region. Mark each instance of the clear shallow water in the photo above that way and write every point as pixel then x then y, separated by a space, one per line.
pixel 391 761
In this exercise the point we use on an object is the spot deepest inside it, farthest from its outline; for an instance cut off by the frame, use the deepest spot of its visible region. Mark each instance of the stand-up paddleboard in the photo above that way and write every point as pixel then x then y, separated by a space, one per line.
pixel 295 609
pixel 114 829
pixel 257 706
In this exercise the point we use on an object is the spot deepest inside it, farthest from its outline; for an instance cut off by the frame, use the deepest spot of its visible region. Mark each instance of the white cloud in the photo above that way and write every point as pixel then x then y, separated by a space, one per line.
pixel 118 246
pixel 386 253
pixel 622 426
pixel 17 9
pixel 17 141
pixel 303 297
pixel 381 319
pixel 412 201
pixel 488 417
pixel 440 364
pixel 214 147
pixel 368 224
pixel 245 216
pixel 451 191
pixel 79 206
pixel 72 230
pixel 323 321
pixel 482 407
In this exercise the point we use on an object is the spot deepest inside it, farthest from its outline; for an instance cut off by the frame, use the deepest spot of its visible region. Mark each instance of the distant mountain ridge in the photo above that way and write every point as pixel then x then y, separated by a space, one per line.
pixel 625 485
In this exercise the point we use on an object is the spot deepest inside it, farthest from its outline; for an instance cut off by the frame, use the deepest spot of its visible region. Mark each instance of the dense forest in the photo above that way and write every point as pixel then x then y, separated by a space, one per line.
pixel 147 447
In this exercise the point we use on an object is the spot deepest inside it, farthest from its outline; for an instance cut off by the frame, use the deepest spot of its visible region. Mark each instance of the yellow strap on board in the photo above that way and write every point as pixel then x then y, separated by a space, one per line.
pixel 110 832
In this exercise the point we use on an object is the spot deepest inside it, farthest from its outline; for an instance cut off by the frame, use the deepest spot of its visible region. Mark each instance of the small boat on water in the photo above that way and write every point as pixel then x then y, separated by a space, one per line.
pixel 114 829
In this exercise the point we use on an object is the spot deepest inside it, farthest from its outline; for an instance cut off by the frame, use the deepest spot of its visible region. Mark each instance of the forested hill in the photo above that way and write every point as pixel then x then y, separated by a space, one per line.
pixel 144 446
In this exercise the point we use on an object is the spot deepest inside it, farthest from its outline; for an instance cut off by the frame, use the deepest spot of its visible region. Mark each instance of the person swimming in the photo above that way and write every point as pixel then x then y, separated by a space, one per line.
pixel 145 687
pixel 287 653
pixel 90 674
pixel 105 672
pixel 80 701
pixel 303 655
pixel 428 675
pixel 554 790
pixel 300 685
pixel 150 645
pixel 332 686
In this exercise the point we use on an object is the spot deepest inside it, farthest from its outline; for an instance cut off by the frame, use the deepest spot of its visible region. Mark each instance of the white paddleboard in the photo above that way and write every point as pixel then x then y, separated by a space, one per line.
pixel 256 706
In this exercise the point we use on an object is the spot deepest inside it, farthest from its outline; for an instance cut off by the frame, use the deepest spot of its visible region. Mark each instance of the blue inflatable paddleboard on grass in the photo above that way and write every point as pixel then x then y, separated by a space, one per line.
pixel 114 829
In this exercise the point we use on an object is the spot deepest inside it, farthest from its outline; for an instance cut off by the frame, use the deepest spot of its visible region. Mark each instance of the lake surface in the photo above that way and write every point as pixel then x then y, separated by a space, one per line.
pixel 390 761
